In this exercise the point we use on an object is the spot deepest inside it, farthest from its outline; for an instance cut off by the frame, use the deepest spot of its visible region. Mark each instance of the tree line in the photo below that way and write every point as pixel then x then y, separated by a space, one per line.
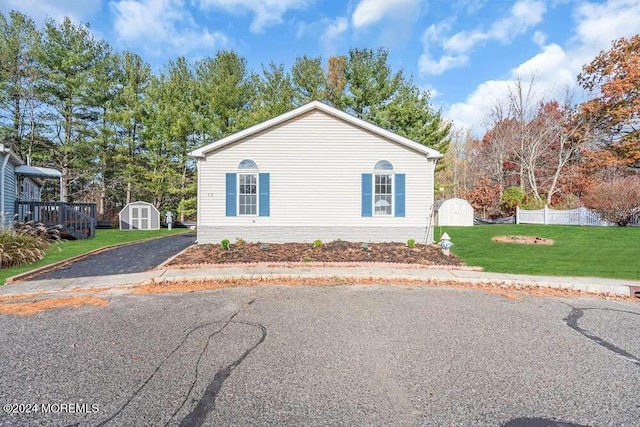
pixel 545 150
pixel 119 132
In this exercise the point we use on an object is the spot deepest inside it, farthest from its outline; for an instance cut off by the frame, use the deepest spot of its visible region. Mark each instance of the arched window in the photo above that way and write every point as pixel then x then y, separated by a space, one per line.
pixel 247 164
pixel 383 165
pixel 383 188
pixel 247 187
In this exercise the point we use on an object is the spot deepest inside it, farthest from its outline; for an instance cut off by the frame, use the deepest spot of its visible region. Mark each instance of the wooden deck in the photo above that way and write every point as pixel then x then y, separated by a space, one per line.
pixel 78 219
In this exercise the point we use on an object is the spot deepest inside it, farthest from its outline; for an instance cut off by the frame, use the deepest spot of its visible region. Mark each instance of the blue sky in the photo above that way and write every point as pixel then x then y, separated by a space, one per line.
pixel 465 52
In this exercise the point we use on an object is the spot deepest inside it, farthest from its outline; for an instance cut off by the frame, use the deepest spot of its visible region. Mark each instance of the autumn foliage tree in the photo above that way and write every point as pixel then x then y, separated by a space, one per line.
pixel 617 201
pixel 614 76
pixel 483 196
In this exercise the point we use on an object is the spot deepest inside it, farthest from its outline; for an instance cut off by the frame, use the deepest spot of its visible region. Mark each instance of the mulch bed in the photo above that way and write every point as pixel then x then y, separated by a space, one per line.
pixel 333 252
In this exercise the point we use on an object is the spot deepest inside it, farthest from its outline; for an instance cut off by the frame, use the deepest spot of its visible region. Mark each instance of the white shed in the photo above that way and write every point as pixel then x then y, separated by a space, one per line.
pixel 454 212
pixel 139 216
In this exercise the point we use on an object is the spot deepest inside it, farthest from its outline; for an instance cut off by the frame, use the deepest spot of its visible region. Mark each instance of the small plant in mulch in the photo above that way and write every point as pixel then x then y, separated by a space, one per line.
pixel 364 246
pixel 265 246
pixel 317 243
pixel 411 243
pixel 307 259
pixel 225 244
pixel 240 241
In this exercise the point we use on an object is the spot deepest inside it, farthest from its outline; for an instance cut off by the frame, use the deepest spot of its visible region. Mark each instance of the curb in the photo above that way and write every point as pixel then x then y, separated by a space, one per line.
pixel 327 264
pixel 585 288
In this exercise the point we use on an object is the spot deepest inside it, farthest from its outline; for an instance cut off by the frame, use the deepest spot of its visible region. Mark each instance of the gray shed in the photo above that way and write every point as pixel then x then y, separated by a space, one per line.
pixel 454 212
pixel 139 216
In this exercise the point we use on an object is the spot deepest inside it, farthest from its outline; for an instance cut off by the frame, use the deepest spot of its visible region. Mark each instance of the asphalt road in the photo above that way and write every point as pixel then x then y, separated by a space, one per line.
pixel 131 258
pixel 341 355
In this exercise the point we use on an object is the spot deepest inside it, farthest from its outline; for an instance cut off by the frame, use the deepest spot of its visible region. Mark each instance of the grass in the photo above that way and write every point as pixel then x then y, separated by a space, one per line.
pixel 68 249
pixel 611 252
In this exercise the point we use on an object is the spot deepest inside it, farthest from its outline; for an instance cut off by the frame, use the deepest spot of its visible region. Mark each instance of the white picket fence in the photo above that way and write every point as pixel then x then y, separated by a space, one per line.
pixel 579 216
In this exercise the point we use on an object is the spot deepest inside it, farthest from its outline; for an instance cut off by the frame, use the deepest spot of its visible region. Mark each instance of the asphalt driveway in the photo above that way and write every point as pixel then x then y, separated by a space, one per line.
pixel 131 258
pixel 332 355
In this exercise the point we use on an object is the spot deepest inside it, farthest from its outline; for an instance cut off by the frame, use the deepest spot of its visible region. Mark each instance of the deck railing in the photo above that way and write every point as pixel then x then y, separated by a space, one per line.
pixel 78 219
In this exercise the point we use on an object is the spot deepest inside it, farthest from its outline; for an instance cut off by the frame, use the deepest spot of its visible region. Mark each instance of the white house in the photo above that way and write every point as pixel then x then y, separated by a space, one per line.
pixel 315 173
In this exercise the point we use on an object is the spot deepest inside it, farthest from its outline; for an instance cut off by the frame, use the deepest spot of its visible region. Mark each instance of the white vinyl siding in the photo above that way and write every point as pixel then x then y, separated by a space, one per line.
pixel 315 162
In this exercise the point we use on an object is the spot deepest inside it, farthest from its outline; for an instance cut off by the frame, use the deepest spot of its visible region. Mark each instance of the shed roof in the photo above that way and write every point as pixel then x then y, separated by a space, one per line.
pixel 138 202
pixel 441 202
pixel 319 106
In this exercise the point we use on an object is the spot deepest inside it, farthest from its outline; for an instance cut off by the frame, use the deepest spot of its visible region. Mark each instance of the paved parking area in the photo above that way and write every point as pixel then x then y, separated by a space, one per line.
pixel 132 258
pixel 330 355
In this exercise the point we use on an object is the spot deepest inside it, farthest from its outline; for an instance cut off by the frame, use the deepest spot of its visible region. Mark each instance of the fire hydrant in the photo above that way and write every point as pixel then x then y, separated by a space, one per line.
pixel 445 244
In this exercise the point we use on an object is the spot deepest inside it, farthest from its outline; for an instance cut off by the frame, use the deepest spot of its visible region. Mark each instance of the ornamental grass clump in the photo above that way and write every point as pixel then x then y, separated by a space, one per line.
pixel 20 248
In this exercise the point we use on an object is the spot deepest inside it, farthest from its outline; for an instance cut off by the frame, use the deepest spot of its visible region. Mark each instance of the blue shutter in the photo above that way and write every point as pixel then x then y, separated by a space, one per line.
pixel 263 186
pixel 367 197
pixel 399 197
pixel 231 194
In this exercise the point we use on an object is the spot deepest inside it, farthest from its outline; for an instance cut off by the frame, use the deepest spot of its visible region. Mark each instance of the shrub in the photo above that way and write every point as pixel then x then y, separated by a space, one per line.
pixel 317 243
pixel 512 197
pixel 568 201
pixel 617 201
pixel 411 243
pixel 531 203
pixel 20 248
pixel 265 247
pixel 225 244
pixel 240 241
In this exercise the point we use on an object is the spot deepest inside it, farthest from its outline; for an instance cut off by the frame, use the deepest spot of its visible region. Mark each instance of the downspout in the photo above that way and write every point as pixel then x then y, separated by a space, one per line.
pixel 2 172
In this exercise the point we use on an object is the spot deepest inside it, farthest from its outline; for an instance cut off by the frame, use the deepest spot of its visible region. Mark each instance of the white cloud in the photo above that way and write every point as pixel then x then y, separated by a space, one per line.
pixel 157 24
pixel 426 63
pixel 555 67
pixel 539 38
pixel 267 12
pixel 39 10
pixel 523 15
pixel 369 12
pixel 333 31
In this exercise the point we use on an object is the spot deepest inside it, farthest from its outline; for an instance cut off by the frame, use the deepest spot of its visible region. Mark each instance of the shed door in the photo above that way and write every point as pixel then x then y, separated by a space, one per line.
pixel 140 217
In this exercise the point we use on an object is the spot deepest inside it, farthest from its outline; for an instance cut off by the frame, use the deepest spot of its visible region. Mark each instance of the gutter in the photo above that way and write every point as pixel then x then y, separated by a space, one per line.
pixel 2 172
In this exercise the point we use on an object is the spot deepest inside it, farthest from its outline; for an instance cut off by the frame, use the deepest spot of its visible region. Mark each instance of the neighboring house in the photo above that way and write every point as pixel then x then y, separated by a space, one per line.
pixel 453 212
pixel 20 197
pixel 18 182
pixel 315 173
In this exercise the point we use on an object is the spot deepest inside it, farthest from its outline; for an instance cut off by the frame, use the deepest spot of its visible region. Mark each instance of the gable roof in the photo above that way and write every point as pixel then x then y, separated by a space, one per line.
pixel 319 106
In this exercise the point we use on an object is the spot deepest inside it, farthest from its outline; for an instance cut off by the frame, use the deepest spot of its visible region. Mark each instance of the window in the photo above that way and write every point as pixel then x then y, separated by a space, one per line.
pixel 383 191
pixel 247 194
pixel 247 191
pixel 30 191
pixel 247 187
pixel 382 188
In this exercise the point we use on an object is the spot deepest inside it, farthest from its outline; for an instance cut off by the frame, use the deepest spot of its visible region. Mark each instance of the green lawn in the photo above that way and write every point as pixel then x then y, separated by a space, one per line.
pixel 67 249
pixel 612 252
